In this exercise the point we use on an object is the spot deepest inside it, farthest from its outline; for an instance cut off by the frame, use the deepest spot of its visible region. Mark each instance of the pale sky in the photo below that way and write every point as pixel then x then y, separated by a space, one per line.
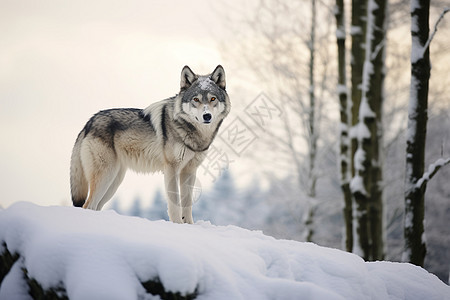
pixel 62 61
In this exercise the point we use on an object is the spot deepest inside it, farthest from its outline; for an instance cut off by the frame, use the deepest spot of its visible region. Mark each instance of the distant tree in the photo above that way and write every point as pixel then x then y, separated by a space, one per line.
pixel 202 209
pixel 416 178
pixel 255 209
pixel 290 41
pixel 224 187
pixel 224 205
pixel 158 209
pixel 116 206
pixel 312 109
pixel 344 147
pixel 136 208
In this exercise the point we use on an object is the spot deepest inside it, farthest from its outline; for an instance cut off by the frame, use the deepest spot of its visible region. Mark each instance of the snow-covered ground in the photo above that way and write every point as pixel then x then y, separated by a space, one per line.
pixel 103 255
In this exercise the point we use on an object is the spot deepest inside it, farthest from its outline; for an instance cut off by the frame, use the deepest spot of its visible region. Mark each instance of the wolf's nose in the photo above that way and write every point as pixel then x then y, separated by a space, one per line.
pixel 207 117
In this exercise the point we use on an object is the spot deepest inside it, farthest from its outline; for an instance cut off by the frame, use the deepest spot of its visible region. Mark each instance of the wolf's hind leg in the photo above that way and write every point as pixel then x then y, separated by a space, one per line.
pixel 112 188
pixel 99 184
pixel 101 167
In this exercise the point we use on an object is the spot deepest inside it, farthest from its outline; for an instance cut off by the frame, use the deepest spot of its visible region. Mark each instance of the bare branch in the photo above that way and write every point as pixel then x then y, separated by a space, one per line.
pixel 432 170
pixel 430 39
pixel 377 49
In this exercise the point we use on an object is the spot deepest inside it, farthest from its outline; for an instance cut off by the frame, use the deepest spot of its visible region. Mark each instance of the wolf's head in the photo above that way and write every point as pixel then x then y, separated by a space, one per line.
pixel 204 98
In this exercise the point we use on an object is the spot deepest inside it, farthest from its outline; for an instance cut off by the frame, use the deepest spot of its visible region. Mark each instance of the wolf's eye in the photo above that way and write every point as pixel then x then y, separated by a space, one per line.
pixel 213 98
pixel 196 99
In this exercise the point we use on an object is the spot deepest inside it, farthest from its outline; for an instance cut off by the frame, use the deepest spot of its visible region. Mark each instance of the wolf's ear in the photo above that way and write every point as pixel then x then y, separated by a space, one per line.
pixel 187 77
pixel 218 76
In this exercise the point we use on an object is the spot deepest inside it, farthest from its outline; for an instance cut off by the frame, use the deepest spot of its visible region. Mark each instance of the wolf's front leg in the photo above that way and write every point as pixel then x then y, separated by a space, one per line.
pixel 173 196
pixel 187 180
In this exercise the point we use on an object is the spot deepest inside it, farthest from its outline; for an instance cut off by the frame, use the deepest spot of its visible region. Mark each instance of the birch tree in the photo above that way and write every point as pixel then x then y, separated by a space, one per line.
pixel 358 33
pixel 366 182
pixel 415 178
pixel 290 43
pixel 312 179
pixel 344 148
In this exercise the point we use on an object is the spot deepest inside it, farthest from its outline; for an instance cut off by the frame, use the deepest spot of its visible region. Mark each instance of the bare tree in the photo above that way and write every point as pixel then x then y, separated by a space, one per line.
pixel 312 103
pixel 358 33
pixel 367 175
pixel 415 178
pixel 282 33
pixel 312 133
pixel 344 149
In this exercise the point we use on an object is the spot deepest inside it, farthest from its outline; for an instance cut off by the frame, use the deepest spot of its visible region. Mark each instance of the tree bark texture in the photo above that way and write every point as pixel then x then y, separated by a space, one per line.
pixel 415 247
pixel 375 98
pixel 345 159
pixel 312 106
pixel 358 33
pixel 367 179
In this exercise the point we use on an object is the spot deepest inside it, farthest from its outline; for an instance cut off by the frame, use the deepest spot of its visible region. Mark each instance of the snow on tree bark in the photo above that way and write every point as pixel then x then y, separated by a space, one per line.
pixel 415 178
pixel 376 99
pixel 312 179
pixel 415 248
pixel 366 182
pixel 344 155
pixel 357 31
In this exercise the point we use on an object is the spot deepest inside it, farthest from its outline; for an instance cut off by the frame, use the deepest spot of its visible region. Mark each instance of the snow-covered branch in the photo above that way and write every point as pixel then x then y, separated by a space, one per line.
pixel 377 49
pixel 427 44
pixel 432 170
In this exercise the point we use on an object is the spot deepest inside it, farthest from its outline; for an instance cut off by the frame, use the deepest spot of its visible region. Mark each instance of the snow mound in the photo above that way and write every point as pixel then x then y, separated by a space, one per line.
pixel 103 255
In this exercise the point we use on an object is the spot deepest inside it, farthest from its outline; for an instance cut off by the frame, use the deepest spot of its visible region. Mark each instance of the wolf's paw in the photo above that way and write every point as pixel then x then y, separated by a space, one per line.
pixel 188 220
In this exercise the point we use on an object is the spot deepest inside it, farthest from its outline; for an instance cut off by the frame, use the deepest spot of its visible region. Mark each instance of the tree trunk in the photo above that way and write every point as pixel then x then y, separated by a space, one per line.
pixel 415 248
pixel 358 33
pixel 345 159
pixel 312 139
pixel 309 221
pixel 366 183
pixel 375 97
pixel 312 107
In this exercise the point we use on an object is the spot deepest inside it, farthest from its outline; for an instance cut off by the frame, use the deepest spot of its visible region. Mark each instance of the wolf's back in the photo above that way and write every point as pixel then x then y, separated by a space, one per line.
pixel 78 184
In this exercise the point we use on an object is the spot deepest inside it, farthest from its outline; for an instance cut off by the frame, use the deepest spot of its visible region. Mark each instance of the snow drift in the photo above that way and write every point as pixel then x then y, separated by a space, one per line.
pixel 87 254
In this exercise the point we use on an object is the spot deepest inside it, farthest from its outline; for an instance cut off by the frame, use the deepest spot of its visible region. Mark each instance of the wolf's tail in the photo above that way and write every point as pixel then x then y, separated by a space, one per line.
pixel 79 186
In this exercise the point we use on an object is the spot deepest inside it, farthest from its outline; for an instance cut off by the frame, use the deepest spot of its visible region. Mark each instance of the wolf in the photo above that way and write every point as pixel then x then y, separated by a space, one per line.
pixel 171 136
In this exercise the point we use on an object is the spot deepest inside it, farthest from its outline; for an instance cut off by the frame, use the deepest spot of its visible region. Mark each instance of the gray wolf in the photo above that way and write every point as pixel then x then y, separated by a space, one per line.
pixel 172 136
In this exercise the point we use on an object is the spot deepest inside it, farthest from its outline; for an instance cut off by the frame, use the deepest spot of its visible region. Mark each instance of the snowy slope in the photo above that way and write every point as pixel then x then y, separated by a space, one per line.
pixel 102 255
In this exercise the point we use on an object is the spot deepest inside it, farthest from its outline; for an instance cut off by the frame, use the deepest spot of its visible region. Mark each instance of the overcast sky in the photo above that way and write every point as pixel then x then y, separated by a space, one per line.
pixel 62 61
